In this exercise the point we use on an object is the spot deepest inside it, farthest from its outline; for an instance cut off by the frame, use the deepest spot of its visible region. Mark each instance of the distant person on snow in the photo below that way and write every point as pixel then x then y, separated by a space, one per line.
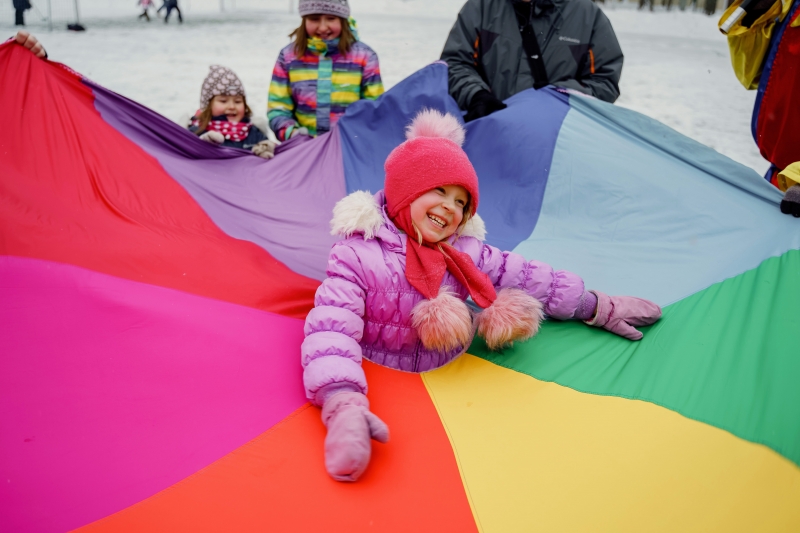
pixel 498 48
pixel 224 116
pixel 20 7
pixel 169 5
pixel 146 5
pixel 322 72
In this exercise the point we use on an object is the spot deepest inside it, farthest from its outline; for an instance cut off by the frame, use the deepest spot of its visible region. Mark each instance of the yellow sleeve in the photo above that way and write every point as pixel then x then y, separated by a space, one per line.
pixel 789 176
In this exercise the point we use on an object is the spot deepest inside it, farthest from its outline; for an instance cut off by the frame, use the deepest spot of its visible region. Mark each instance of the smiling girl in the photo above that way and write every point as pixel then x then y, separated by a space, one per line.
pixel 224 116
pixel 397 283
pixel 324 70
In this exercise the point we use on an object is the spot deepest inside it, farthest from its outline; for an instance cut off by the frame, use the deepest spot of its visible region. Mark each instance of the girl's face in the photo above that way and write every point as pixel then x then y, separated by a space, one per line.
pixel 230 106
pixel 438 213
pixel 325 27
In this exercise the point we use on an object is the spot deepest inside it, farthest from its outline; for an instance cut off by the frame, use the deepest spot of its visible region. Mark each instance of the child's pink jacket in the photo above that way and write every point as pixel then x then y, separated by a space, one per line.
pixel 363 308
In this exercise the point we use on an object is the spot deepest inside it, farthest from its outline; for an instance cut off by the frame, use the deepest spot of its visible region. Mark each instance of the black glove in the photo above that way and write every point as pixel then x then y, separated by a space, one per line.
pixel 483 103
pixel 791 201
pixel 755 11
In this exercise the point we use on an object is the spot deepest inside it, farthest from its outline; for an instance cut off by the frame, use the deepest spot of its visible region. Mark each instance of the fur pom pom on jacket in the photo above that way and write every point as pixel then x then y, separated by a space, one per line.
pixel 366 308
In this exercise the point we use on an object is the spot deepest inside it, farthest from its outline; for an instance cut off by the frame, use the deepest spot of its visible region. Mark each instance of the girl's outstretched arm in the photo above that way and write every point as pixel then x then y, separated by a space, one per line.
pixel 331 353
pixel 281 105
pixel 561 292
pixel 564 295
pixel 333 376
pixel 371 83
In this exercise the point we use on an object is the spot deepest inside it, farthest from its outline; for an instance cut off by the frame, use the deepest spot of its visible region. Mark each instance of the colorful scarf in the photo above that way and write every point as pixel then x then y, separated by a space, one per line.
pixel 320 47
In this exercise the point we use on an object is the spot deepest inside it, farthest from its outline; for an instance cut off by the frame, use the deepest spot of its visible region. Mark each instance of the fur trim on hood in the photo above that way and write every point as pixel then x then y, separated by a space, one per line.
pixel 359 212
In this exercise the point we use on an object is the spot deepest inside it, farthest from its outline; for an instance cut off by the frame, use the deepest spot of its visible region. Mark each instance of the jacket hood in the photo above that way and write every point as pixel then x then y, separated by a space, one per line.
pixel 363 213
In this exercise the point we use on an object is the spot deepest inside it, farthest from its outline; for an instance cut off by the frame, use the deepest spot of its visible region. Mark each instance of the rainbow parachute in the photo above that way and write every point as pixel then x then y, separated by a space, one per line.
pixel 152 291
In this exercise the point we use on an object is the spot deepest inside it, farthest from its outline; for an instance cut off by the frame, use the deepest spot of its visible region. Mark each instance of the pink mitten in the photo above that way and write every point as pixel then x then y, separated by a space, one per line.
pixel 619 314
pixel 350 427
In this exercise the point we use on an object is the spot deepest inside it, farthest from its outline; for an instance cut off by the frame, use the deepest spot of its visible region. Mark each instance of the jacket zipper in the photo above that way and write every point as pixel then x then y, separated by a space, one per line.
pixel 416 356
pixel 553 28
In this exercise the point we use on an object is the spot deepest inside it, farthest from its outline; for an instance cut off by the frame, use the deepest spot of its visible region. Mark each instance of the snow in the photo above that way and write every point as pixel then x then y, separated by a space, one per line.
pixel 677 68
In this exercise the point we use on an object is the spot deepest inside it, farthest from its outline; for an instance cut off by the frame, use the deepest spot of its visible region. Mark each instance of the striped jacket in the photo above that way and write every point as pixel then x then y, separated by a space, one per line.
pixel 313 91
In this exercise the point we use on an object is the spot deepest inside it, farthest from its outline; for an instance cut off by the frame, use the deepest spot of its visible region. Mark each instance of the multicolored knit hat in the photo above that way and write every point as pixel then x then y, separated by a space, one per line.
pixel 220 81
pixel 337 8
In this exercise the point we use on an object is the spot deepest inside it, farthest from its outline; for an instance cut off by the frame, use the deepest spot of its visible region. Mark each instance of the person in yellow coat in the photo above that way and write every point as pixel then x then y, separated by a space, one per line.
pixel 765 53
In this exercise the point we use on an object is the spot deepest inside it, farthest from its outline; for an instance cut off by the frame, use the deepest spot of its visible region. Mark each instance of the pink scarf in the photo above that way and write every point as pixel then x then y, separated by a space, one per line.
pixel 235 132
pixel 427 263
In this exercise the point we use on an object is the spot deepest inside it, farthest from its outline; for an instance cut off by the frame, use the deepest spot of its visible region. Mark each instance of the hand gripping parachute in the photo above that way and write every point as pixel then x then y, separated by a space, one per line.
pixel 152 290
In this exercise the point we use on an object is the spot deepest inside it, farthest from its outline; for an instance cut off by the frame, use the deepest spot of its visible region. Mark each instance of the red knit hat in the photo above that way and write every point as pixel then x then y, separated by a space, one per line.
pixel 430 157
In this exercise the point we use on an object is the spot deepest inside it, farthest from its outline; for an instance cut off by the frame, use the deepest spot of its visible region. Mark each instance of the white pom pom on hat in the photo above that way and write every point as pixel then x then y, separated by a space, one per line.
pixel 433 123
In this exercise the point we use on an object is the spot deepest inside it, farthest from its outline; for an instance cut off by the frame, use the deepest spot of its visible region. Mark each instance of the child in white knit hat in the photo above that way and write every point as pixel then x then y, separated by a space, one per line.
pixel 224 116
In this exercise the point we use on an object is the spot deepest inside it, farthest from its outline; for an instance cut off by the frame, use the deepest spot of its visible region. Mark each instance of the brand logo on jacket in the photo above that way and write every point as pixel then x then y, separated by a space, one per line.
pixel 569 39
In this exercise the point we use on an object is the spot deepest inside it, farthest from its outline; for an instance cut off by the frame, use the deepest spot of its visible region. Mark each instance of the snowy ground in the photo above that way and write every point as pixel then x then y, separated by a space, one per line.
pixel 677 68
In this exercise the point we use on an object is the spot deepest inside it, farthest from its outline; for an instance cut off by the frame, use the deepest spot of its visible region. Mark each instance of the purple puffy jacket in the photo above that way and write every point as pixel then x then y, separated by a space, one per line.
pixel 363 308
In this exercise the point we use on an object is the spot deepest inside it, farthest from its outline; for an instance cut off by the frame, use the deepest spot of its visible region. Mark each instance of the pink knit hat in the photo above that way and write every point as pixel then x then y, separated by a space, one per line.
pixel 430 157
